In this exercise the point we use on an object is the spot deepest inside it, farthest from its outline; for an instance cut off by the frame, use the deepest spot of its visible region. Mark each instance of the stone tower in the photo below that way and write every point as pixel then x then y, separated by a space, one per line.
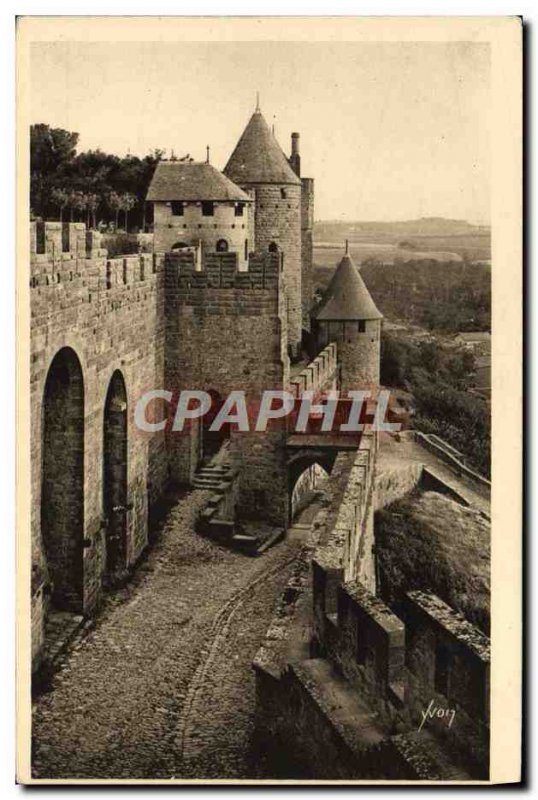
pixel 259 166
pixel 195 205
pixel 307 228
pixel 348 316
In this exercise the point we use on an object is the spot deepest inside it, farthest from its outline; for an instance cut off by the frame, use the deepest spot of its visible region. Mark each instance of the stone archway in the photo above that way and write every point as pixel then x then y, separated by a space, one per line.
pixel 62 480
pixel 299 465
pixel 115 474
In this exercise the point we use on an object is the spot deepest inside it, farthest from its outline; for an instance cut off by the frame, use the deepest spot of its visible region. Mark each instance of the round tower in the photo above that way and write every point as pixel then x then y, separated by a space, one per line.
pixel 259 166
pixel 348 316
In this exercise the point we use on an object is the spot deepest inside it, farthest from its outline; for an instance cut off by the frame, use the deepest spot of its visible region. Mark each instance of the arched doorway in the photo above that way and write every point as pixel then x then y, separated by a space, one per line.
pixel 62 480
pixel 308 471
pixel 273 247
pixel 222 246
pixel 180 246
pixel 115 474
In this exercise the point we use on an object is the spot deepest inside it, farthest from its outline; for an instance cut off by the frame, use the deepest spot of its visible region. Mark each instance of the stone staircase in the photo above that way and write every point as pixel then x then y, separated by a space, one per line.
pixel 214 477
pixel 213 522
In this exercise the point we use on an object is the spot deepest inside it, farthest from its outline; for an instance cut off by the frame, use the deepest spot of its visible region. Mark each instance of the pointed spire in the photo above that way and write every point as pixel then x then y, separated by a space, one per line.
pixel 347 247
pixel 258 109
pixel 207 154
pixel 257 157
pixel 346 296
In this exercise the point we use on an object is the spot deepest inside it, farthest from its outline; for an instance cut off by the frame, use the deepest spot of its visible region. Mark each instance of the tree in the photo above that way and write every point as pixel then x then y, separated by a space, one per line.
pixel 60 198
pixel 114 202
pixel 51 151
pixel 128 201
pixel 77 203
pixel 92 201
pixel 55 165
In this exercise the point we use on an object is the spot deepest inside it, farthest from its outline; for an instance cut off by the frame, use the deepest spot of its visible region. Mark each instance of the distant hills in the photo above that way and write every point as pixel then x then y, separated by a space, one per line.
pixel 444 240
pixel 327 230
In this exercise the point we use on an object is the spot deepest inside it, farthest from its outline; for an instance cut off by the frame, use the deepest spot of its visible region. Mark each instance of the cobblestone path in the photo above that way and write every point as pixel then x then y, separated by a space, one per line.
pixel 163 686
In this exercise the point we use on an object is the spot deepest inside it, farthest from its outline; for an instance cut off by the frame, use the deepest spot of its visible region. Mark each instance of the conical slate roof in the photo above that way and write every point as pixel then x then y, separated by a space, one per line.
pixel 192 180
pixel 346 296
pixel 258 158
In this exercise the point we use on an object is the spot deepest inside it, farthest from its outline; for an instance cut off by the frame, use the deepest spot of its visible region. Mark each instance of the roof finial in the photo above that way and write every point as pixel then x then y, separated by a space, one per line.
pixel 257 101
pixel 207 154
pixel 347 247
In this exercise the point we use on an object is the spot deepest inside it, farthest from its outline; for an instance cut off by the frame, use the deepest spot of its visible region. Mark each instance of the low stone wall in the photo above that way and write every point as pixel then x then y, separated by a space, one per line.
pixel 343 683
pixel 347 550
pixel 446 453
pixel 448 664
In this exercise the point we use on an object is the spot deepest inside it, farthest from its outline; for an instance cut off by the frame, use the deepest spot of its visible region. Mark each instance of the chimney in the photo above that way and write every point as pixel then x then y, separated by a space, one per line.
pixel 295 158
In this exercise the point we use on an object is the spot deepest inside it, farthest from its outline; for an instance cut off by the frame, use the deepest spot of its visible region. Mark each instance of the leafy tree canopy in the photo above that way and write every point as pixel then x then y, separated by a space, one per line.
pixel 80 185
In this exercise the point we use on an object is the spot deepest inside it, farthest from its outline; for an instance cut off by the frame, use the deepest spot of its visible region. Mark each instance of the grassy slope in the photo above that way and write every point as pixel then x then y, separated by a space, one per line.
pixel 411 530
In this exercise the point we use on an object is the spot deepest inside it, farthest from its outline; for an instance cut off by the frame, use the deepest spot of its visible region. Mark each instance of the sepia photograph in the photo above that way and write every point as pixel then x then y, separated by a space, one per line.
pixel 264 277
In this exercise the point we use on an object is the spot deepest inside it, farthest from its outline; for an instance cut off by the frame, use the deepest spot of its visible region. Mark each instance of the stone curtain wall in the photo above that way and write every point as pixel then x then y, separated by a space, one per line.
pixel 224 331
pixel 347 549
pixel 111 314
pixel 343 682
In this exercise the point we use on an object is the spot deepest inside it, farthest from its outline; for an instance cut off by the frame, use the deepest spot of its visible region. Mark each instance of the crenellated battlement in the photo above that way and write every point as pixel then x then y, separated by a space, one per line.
pixel 220 271
pixel 67 255
pixel 319 374
pixel 64 240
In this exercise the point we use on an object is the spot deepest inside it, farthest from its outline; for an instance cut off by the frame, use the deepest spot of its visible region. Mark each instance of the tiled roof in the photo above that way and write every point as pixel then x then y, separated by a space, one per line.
pixel 184 180
pixel 346 296
pixel 258 158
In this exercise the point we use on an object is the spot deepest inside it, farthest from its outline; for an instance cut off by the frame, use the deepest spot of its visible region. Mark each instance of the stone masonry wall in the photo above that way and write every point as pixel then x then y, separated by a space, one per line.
pixel 224 333
pixel 111 314
pixel 307 247
pixel 278 220
pixel 448 664
pixel 358 352
pixel 347 549
pixel 193 228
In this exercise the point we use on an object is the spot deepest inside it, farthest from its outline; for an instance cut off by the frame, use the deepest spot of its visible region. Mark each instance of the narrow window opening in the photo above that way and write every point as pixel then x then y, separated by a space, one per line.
pixel 208 208
pixel 283 194
pixel 239 210
pixel 177 208
pixel 362 326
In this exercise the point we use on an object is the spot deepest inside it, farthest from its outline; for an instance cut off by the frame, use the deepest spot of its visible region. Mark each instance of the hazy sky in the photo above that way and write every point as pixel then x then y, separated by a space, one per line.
pixel 388 130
